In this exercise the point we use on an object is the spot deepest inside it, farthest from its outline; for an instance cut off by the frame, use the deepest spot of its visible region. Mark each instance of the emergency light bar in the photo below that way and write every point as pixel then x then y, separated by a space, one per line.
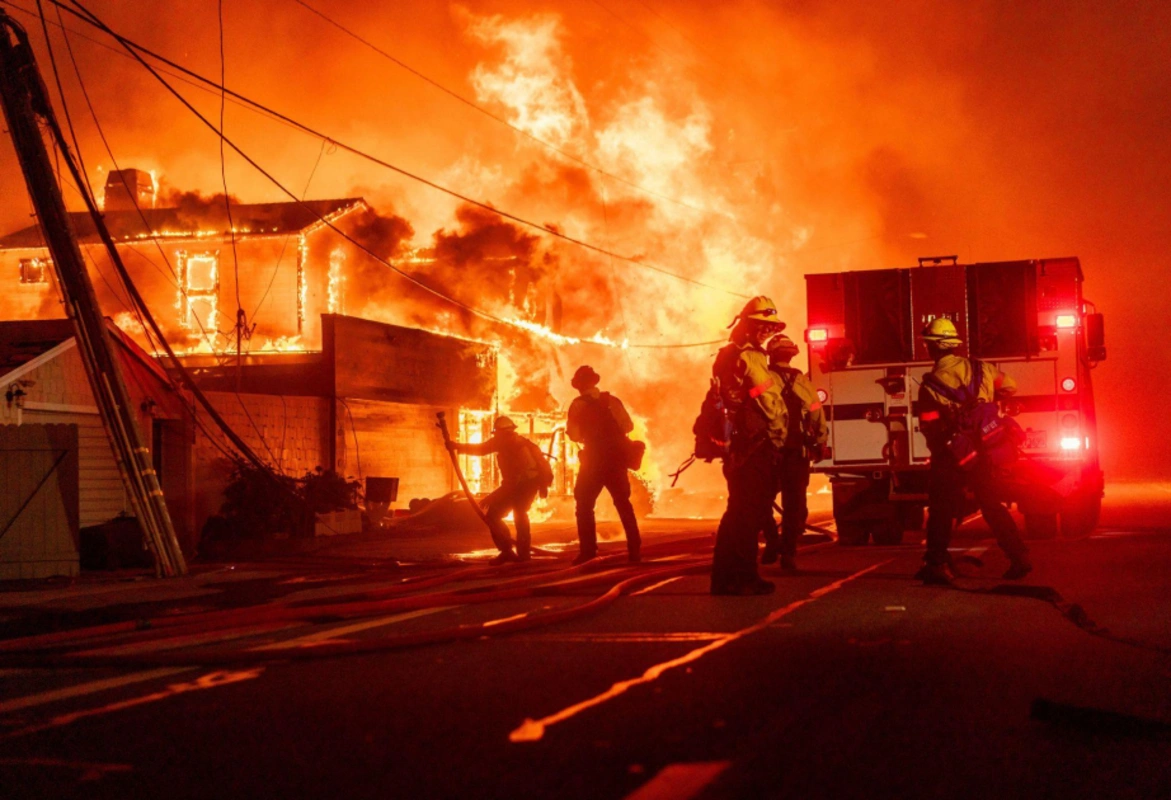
pixel 1067 320
pixel 816 335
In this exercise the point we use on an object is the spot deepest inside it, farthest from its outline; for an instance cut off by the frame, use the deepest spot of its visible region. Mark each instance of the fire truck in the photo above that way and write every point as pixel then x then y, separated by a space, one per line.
pixel 865 358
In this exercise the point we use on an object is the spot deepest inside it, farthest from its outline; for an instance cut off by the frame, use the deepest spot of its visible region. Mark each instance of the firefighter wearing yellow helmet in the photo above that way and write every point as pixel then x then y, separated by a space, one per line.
pixel 971 446
pixel 805 440
pixel 524 473
pixel 752 394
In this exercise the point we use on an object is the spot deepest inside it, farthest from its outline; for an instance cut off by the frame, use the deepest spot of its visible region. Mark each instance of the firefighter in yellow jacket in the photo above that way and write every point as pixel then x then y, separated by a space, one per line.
pixel 753 395
pixel 805 441
pixel 524 473
pixel 939 418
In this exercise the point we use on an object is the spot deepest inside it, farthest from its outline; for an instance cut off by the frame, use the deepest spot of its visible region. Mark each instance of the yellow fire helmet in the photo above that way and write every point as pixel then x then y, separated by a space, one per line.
pixel 503 424
pixel 782 348
pixel 943 332
pixel 760 309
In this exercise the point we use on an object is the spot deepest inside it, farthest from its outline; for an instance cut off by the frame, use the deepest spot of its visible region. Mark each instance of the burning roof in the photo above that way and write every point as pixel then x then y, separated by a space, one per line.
pixel 194 216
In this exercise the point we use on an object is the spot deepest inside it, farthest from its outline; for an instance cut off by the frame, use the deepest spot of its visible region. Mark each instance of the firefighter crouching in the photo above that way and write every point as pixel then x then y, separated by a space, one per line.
pixel 956 404
pixel 753 395
pixel 598 421
pixel 524 473
pixel 805 441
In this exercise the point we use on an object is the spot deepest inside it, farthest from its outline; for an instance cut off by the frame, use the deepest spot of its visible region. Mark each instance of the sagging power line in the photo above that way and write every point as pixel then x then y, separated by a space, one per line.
pixel 135 50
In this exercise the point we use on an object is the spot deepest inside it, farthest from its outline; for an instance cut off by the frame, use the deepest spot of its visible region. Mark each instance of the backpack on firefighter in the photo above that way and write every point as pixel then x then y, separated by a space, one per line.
pixel 713 427
pixel 977 430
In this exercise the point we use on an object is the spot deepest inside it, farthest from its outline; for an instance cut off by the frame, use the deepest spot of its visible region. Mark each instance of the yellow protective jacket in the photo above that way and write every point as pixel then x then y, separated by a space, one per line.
pixel 804 407
pixel 753 392
pixel 936 411
pixel 515 455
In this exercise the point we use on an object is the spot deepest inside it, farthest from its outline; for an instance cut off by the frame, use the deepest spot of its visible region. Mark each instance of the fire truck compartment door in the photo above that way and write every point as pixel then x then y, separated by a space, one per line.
pixel 854 438
pixel 938 293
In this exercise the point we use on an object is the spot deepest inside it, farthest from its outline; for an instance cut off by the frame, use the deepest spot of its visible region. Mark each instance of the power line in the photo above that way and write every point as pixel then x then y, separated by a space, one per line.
pixel 134 49
pixel 472 104
pixel 321 218
pixel 114 161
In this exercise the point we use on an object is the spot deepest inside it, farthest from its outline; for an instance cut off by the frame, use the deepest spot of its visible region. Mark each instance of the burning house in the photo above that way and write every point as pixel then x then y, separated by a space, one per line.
pixel 279 263
pixel 313 388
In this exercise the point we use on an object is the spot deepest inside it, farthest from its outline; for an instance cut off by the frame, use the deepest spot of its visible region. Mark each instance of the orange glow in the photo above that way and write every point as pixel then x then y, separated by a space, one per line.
pixel 739 144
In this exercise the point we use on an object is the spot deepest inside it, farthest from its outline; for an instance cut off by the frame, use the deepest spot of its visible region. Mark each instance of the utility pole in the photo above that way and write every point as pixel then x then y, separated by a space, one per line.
pixel 26 106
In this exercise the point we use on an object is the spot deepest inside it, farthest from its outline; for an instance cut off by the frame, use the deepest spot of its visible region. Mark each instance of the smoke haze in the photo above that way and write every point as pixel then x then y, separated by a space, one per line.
pixel 769 140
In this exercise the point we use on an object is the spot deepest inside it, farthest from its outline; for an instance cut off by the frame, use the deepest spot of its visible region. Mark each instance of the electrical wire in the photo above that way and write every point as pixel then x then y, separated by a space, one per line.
pixel 549 230
pixel 328 223
pixel 516 129
pixel 240 323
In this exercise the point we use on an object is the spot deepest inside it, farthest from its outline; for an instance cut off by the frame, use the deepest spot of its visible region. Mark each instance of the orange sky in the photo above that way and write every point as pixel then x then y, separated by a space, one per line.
pixel 819 135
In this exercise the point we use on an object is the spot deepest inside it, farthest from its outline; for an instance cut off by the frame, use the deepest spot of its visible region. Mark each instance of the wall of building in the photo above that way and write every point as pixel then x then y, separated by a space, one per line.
pixel 396 440
pixel 290 432
pixel 38 501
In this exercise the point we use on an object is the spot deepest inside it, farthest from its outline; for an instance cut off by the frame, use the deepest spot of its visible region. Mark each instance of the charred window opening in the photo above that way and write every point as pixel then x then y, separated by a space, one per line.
pixel 35 270
pixel 878 316
pixel 199 288
pixel 1002 314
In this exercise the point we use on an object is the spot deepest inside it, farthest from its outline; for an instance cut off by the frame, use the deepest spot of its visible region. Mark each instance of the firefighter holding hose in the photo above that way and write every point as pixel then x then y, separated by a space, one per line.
pixel 752 393
pixel 524 473
pixel 971 446
pixel 805 441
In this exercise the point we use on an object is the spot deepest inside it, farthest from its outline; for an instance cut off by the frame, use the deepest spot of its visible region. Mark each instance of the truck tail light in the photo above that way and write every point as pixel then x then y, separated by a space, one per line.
pixel 1068 384
pixel 1067 320
pixel 815 335
pixel 1071 442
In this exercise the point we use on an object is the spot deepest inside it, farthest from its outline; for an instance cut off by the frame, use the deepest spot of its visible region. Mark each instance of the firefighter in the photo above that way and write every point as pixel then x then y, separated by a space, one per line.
pixel 939 418
pixel 598 421
pixel 524 473
pixel 753 395
pixel 805 441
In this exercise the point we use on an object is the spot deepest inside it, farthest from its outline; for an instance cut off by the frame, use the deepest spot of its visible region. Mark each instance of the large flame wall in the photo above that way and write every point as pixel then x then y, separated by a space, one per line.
pixel 811 136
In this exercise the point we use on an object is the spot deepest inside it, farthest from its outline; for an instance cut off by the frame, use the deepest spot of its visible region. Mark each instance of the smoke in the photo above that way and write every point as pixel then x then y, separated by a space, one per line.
pixel 811 136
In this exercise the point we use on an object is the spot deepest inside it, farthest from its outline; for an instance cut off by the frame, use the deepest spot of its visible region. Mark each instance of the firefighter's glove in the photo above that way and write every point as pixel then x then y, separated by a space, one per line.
pixel 816 452
pixel 543 492
pixel 452 446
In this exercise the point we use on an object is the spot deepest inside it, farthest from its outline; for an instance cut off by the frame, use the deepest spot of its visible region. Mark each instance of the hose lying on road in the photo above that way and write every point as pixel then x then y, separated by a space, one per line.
pixel 397 598
pixel 225 656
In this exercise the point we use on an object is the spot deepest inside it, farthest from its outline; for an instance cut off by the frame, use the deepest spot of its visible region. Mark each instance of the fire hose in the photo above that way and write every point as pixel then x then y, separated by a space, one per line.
pixel 48 649
pixel 57 658
pixel 459 473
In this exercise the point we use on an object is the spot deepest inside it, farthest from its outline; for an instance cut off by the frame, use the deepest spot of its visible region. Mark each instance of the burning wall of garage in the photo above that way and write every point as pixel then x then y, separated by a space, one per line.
pixel 365 405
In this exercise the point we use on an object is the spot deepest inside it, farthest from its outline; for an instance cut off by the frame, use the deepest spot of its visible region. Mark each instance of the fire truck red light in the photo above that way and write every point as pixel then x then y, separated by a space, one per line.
pixel 1068 384
pixel 1070 443
pixel 1066 320
pixel 1069 420
pixel 816 335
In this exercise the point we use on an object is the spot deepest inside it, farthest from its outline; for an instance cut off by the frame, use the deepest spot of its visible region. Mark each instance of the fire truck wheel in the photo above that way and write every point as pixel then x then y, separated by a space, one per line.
pixel 1040 526
pixel 1079 516
pixel 852 533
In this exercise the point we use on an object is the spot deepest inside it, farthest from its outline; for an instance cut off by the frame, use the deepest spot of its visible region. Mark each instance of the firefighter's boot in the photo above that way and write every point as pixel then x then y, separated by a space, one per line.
pixel 935 575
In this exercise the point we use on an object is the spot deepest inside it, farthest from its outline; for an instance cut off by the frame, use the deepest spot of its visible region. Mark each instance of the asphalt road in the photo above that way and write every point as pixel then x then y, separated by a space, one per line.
pixel 851 681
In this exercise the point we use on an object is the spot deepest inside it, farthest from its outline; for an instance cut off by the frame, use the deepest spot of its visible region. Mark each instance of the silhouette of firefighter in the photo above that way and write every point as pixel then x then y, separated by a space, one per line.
pixel 599 422
pixel 524 473
pixel 805 440
pixel 972 446
pixel 752 395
